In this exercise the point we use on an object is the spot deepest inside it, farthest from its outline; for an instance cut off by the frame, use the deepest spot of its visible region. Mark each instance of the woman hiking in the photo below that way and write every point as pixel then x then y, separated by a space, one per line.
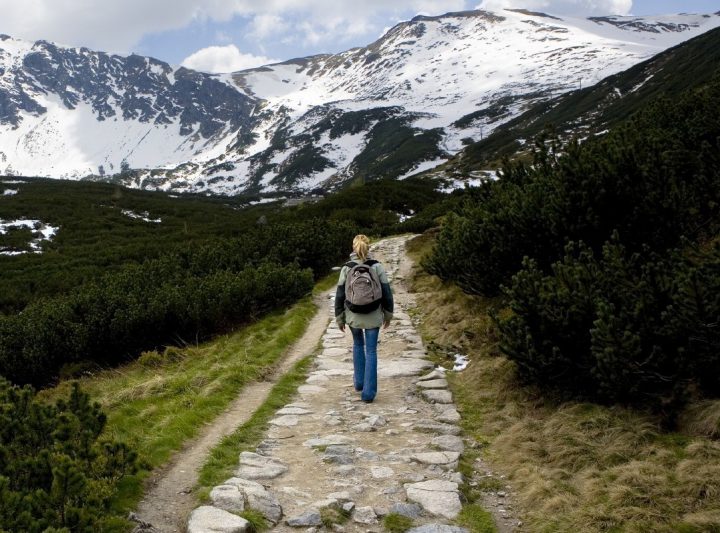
pixel 364 302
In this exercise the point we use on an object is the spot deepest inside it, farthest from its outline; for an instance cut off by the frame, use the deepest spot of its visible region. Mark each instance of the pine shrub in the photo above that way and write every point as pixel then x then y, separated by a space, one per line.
pixel 56 472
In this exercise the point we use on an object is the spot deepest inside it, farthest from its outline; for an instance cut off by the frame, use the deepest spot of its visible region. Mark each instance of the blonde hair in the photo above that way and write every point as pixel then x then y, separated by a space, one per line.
pixel 361 246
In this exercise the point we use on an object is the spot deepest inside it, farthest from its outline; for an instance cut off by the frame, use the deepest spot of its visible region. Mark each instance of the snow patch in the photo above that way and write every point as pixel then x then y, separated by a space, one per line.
pixel 145 216
pixel 461 362
pixel 422 167
pixel 41 233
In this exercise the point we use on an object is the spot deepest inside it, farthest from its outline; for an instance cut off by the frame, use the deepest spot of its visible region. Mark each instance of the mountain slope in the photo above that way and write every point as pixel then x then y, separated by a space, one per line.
pixel 595 109
pixel 404 103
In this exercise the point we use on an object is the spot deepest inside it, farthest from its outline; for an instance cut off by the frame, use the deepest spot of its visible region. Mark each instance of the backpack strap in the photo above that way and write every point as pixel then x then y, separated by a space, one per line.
pixel 369 262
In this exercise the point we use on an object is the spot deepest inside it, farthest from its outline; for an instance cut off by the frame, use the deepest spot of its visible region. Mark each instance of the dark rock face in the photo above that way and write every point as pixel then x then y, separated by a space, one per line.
pixel 131 88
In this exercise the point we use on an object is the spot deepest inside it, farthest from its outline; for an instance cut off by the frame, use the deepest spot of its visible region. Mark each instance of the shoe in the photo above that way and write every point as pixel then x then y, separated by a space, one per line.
pixel 368 401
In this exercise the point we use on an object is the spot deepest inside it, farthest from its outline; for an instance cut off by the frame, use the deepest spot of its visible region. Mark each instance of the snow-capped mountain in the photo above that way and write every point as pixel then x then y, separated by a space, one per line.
pixel 402 104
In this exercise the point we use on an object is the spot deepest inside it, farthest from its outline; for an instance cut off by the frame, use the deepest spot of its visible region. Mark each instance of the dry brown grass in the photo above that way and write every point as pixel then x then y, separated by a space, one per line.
pixel 574 467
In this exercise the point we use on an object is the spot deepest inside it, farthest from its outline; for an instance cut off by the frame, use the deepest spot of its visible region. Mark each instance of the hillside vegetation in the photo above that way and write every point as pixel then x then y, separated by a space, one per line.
pixel 109 286
pixel 608 255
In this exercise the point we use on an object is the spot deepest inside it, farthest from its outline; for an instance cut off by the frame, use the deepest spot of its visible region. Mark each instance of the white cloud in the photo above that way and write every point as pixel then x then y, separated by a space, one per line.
pixel 118 25
pixel 228 58
pixel 564 7
pixel 265 25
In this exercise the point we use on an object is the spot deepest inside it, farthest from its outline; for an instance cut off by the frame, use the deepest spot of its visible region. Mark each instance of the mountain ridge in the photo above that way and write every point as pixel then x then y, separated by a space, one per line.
pixel 385 110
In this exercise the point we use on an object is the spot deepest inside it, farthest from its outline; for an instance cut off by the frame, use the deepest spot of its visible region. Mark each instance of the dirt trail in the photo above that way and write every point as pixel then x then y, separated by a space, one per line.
pixel 169 500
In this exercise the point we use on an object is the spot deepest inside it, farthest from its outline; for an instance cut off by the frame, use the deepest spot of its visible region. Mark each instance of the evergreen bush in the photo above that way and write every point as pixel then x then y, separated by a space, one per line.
pixel 56 472
pixel 632 328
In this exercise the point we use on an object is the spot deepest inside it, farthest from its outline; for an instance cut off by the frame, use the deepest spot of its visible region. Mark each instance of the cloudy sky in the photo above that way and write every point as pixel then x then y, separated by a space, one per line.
pixel 227 35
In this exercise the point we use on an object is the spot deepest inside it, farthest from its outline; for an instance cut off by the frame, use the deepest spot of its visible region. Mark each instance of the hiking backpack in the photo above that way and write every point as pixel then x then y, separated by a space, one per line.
pixel 363 292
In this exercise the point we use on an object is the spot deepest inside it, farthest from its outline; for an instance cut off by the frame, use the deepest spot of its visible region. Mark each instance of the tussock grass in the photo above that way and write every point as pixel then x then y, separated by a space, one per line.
pixel 397 523
pixel 158 404
pixel 572 466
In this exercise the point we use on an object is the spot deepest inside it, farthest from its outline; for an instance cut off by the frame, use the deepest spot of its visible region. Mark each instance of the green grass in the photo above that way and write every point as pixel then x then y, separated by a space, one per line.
pixel 157 408
pixel 476 519
pixel 325 284
pixel 223 458
pixel 258 523
pixel 397 523
pixel 332 515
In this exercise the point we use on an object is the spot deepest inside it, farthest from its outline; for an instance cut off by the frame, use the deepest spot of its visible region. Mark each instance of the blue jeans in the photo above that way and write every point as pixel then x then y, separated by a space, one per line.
pixel 365 361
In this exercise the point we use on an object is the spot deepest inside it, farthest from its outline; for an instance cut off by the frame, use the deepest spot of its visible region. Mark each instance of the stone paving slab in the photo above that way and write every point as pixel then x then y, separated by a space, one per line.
pixel 329 449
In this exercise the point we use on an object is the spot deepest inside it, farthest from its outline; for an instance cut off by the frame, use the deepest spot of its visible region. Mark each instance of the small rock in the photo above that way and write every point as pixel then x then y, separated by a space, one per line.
pixel 338 459
pixel 317 378
pixel 501 494
pixel 411 510
pixel 367 455
pixel 292 410
pixel 258 498
pixel 435 458
pixel 296 493
pixel 438 396
pixel 430 426
pixel 363 427
pixel 450 416
pixel 433 384
pixel 307 519
pixel 344 470
pixel 311 389
pixel 437 496
pixel 285 421
pixel 208 518
pixel 334 352
pixel 348 507
pixel 228 497
pixel 254 466
pixel 437 528
pixel 381 472
pixel 365 515
pixel 339 449
pixel 329 440
pixel 435 374
pixel 342 497
pixel 456 477
pixel 376 421
pixel 402 368
pixel 392 432
pixel 327 502
pixel 448 442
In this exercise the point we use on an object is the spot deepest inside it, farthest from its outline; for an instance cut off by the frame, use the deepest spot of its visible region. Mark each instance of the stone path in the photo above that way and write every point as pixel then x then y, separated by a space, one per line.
pixel 328 454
